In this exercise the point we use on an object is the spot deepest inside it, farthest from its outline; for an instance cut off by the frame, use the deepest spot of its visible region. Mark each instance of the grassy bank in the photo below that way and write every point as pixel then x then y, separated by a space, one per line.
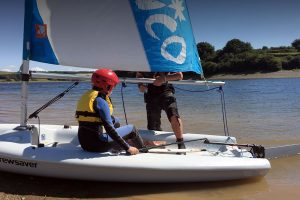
pixel 278 74
pixel 15 77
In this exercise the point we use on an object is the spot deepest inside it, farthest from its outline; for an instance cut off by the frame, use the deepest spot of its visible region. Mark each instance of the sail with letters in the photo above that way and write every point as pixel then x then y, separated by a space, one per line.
pixel 128 35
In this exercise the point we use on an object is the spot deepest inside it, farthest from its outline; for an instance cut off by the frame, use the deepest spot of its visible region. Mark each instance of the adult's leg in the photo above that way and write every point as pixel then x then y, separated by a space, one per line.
pixel 170 107
pixel 176 125
pixel 153 116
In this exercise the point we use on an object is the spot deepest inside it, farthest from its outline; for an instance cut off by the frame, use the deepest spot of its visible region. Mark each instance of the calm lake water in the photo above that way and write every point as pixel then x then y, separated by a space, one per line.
pixel 260 111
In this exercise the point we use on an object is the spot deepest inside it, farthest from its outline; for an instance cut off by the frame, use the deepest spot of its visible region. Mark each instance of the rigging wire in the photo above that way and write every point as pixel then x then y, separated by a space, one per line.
pixel 224 111
pixel 59 96
pixel 219 89
pixel 207 90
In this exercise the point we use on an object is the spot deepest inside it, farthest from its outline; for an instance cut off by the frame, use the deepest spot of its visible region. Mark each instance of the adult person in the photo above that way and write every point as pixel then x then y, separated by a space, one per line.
pixel 94 111
pixel 159 96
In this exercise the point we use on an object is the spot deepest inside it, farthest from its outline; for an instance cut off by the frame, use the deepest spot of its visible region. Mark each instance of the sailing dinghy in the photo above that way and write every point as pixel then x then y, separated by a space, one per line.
pixel 128 35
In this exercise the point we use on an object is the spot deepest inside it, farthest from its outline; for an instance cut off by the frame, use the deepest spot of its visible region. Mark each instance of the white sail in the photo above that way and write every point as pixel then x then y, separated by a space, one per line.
pixel 129 35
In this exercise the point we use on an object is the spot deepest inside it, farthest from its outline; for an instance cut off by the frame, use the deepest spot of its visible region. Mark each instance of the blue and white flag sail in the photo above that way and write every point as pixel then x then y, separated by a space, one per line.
pixel 128 35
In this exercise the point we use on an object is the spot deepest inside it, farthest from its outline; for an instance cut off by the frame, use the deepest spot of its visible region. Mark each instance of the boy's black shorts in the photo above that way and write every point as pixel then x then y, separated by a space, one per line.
pixel 155 104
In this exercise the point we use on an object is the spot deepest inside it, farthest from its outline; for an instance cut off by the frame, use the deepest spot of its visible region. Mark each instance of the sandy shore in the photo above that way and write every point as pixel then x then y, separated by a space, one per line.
pixel 257 75
pixel 279 74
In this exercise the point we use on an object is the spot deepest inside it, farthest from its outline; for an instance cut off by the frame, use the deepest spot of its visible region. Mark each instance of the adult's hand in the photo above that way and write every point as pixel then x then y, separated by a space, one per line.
pixel 143 88
pixel 159 80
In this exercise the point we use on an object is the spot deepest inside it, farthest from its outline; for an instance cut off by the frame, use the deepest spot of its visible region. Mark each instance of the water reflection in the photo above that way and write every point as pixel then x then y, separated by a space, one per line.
pixel 61 188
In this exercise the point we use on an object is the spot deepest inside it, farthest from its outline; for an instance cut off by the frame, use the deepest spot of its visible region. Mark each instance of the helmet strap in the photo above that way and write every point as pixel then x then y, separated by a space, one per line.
pixel 96 88
pixel 99 90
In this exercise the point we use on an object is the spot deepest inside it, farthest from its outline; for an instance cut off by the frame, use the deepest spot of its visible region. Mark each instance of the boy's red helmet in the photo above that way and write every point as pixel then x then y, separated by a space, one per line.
pixel 105 80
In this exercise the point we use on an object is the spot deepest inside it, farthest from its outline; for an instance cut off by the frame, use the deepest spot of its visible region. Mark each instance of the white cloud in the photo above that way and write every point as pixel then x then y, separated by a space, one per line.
pixel 44 68
pixel 6 70
pixel 10 68
pixel 38 69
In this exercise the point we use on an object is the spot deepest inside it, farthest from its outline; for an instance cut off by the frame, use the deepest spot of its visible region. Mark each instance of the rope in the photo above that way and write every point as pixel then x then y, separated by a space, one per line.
pixel 39 121
pixel 257 151
pixel 123 102
pixel 144 149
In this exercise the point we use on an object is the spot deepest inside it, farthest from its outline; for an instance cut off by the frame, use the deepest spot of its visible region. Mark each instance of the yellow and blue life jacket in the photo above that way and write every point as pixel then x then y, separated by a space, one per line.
pixel 85 107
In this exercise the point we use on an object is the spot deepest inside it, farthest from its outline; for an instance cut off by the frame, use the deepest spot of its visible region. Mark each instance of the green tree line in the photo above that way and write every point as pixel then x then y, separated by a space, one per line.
pixel 240 57
pixel 236 57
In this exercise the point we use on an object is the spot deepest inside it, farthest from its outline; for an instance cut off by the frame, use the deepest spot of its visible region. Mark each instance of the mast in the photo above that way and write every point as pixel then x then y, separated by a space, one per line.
pixel 24 92
pixel 25 64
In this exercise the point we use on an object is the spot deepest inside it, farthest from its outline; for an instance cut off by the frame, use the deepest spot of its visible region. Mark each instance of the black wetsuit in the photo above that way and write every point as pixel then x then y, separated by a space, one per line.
pixel 92 138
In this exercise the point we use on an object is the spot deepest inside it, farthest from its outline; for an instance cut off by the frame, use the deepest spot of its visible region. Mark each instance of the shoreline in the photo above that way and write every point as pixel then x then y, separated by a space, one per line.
pixel 259 75
pixel 256 75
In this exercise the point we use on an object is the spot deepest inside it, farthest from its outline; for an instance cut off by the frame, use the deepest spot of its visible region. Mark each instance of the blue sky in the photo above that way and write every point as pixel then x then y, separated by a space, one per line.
pixel 270 23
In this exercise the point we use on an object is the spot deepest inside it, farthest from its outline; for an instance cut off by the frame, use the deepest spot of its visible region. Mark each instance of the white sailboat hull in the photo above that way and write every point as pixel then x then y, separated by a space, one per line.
pixel 62 157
